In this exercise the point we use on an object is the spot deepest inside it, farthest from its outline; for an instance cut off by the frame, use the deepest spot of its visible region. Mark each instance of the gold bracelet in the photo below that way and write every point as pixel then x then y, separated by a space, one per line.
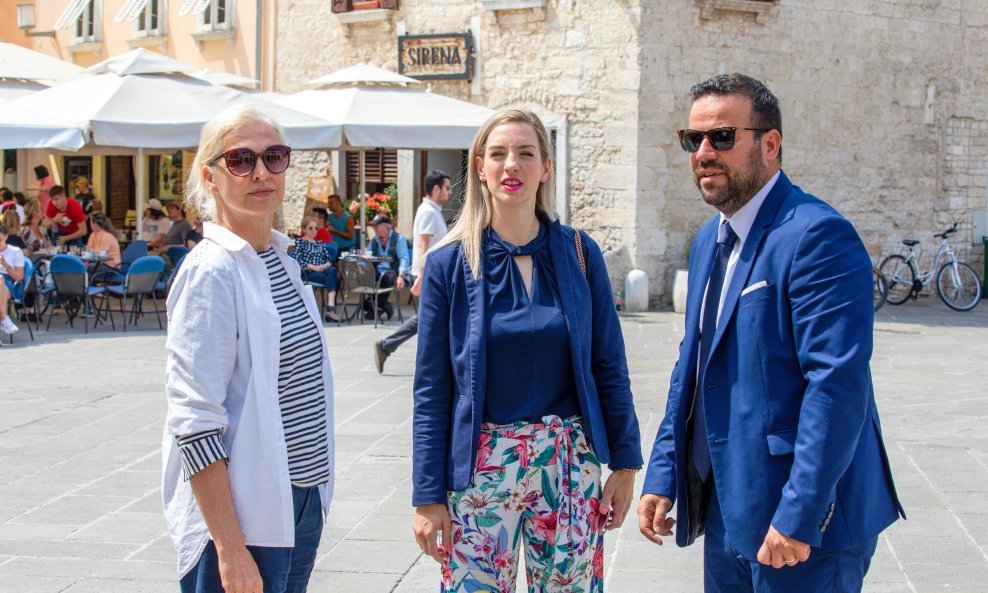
pixel 630 470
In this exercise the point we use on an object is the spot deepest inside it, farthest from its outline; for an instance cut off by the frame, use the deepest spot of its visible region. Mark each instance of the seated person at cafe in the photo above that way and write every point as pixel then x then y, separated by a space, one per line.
pixel 316 265
pixel 67 216
pixel 32 233
pixel 391 244
pixel 322 216
pixel 12 222
pixel 180 227
pixel 11 271
pixel 103 238
pixel 194 236
pixel 10 202
pixel 155 225
pixel 340 224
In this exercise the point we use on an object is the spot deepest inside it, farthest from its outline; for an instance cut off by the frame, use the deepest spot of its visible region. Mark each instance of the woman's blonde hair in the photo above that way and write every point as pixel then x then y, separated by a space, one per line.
pixel 31 206
pixel 12 221
pixel 477 210
pixel 198 197
pixel 307 219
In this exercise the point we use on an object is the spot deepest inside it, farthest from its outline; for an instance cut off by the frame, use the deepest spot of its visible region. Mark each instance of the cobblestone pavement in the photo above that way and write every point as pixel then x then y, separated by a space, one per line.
pixel 80 433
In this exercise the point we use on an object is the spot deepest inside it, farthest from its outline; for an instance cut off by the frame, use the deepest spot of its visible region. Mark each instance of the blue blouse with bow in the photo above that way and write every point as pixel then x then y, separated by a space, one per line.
pixel 526 334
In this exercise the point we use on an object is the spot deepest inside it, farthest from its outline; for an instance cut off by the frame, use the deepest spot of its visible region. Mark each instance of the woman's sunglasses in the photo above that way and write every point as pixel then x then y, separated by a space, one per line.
pixel 242 161
pixel 720 138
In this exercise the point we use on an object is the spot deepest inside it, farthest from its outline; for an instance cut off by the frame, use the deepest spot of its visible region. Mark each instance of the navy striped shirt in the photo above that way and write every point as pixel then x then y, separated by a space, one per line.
pixel 301 391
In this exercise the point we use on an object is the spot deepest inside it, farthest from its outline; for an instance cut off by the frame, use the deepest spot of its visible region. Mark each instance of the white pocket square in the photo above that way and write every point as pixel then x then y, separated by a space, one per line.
pixel 754 287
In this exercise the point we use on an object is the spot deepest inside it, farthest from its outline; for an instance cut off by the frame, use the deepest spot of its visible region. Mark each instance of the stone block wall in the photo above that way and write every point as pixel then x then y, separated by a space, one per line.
pixel 883 104
pixel 871 96
pixel 577 58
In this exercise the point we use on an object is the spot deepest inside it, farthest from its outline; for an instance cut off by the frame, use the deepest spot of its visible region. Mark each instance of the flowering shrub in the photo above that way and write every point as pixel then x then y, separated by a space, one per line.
pixel 375 204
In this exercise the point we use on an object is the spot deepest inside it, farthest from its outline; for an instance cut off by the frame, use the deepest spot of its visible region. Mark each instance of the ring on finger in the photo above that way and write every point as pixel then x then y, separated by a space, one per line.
pixel 791 561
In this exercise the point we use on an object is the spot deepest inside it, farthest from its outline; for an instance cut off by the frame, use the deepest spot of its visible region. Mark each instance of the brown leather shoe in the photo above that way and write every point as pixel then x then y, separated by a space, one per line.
pixel 379 357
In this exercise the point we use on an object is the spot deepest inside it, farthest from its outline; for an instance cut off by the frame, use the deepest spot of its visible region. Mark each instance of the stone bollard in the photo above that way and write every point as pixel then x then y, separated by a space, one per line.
pixel 679 291
pixel 636 291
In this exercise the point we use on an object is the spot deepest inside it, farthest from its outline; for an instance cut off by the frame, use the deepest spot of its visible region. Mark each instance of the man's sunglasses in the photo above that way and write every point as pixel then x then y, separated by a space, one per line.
pixel 720 138
pixel 242 161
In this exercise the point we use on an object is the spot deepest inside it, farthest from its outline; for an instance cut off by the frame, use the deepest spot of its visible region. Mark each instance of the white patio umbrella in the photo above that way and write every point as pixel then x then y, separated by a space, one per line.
pixel 24 127
pixel 140 61
pixel 381 111
pixel 17 80
pixel 166 110
pixel 363 74
pixel 224 78
pixel 52 69
pixel 18 71
pixel 15 89
pixel 161 110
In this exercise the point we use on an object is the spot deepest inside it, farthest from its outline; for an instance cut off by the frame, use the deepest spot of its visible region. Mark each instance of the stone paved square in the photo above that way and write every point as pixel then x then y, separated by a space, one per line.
pixel 80 433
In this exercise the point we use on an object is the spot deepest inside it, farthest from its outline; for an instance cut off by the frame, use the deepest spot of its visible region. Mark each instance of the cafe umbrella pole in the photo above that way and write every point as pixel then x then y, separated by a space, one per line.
pixel 140 186
pixel 361 192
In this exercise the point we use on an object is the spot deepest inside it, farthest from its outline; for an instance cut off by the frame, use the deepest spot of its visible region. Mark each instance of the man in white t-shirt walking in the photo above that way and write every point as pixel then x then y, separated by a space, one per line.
pixel 11 272
pixel 429 228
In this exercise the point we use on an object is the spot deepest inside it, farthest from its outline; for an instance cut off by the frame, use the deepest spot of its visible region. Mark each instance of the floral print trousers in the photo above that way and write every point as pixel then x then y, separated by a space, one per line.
pixel 535 482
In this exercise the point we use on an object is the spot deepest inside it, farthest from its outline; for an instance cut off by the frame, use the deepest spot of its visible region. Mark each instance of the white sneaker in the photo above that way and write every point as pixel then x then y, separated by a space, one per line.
pixel 8 327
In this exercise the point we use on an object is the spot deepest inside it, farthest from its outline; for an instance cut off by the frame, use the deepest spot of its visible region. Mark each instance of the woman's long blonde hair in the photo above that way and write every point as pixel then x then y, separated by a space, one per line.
pixel 477 210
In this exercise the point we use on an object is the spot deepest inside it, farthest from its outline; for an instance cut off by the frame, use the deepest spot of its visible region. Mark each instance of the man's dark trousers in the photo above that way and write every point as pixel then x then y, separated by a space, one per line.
pixel 401 335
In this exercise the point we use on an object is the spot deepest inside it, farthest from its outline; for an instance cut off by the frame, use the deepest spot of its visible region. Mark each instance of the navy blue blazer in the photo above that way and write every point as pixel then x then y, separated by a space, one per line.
pixel 794 435
pixel 451 365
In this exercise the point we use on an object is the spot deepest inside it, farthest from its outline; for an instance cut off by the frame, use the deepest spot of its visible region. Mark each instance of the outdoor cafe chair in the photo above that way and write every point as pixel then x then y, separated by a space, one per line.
pixel 175 253
pixel 316 285
pixel 359 281
pixel 165 284
pixel 71 279
pixel 132 253
pixel 140 281
pixel 25 287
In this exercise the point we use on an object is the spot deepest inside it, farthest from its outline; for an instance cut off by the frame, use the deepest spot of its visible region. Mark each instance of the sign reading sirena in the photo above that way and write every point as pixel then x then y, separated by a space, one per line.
pixel 442 56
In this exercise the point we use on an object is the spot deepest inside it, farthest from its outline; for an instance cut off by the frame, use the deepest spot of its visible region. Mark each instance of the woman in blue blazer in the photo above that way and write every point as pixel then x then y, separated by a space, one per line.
pixel 521 383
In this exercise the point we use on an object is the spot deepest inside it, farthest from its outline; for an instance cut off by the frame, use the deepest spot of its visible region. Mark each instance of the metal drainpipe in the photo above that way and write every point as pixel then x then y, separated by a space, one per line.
pixel 257 45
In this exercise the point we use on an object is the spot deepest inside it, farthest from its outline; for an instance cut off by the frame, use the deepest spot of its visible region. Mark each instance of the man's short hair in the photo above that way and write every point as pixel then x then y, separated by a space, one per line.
pixel 7 195
pixel 433 178
pixel 765 112
pixel 55 191
pixel 321 213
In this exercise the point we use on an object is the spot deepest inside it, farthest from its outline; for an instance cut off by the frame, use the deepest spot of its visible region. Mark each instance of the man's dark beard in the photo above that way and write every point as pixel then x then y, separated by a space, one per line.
pixel 740 188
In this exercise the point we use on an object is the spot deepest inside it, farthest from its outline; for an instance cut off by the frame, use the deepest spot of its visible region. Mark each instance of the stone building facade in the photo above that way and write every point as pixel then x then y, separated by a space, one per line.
pixel 883 101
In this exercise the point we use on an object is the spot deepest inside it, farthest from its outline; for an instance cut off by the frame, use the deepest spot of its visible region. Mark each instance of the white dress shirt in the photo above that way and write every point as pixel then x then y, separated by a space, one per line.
pixel 741 223
pixel 222 373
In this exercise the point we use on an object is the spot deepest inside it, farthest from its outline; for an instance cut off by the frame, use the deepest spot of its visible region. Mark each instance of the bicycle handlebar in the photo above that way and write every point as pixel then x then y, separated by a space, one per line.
pixel 949 231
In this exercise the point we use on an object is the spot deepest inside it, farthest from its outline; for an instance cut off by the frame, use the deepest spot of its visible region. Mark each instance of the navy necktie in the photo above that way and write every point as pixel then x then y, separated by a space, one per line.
pixel 725 244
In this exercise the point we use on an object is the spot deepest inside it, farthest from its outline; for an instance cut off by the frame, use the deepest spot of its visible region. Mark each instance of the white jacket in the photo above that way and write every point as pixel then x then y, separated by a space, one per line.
pixel 222 373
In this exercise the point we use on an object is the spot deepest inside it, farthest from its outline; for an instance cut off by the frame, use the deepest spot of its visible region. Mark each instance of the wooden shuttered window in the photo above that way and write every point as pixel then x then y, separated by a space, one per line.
pixel 380 166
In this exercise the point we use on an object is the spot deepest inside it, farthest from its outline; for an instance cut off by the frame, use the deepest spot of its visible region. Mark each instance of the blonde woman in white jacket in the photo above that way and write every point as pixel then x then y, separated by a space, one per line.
pixel 248 443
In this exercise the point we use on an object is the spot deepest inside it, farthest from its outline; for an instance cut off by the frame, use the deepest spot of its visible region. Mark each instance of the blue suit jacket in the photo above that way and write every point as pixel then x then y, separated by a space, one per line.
pixel 451 365
pixel 794 435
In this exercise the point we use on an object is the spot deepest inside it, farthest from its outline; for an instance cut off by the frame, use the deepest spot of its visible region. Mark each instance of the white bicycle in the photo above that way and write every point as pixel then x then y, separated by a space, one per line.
pixel 957 283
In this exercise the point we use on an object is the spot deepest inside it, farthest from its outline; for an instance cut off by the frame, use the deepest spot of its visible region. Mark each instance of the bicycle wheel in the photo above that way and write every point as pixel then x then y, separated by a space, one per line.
pixel 881 288
pixel 899 276
pixel 958 286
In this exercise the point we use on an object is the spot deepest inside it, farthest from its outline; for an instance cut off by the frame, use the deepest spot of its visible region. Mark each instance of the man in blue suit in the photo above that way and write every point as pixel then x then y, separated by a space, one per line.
pixel 771 443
